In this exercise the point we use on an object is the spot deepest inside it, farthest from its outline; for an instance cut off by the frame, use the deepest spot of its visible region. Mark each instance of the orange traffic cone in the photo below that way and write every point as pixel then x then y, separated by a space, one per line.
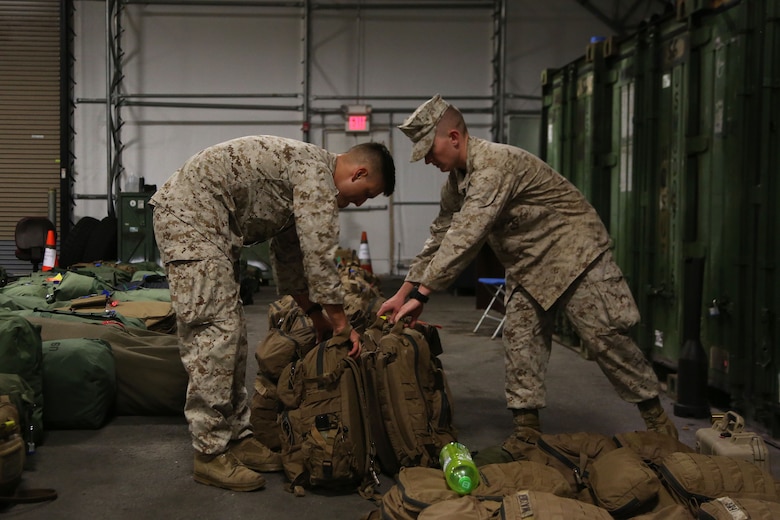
pixel 364 255
pixel 50 254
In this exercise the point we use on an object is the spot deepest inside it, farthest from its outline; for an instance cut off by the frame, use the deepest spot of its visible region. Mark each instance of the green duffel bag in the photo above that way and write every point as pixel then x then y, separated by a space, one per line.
pixel 20 353
pixel 86 318
pixel 75 285
pixel 151 379
pixel 18 303
pixel 79 383
pixel 106 272
pixel 143 294
pixel 28 288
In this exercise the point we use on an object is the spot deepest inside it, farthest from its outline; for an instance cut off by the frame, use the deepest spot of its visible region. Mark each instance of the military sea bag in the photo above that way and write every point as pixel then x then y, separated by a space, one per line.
pixel 522 505
pixel 79 383
pixel 727 508
pixel 694 479
pixel 417 487
pixel 572 454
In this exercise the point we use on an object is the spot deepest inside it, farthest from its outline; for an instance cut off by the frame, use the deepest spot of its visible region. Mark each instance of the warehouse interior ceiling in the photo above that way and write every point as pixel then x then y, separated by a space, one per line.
pixel 620 16
pixel 496 101
pixel 624 16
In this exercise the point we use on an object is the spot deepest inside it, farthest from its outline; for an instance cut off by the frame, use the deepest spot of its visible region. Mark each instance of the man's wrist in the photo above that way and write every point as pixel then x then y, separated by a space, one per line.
pixel 316 307
pixel 417 295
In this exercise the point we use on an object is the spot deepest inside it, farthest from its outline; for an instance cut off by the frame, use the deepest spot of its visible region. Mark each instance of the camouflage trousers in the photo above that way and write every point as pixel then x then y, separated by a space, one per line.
pixel 601 309
pixel 213 340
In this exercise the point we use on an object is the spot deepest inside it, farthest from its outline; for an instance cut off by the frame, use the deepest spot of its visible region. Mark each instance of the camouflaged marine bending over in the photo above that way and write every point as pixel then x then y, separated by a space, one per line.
pixel 253 189
pixel 540 226
pixel 555 251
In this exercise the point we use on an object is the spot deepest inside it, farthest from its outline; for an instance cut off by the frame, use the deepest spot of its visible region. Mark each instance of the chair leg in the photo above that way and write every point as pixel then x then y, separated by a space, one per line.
pixel 487 310
pixel 497 290
pixel 498 329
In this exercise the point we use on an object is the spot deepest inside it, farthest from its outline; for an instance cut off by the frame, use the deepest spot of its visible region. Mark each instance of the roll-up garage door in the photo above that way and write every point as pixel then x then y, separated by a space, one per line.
pixel 29 116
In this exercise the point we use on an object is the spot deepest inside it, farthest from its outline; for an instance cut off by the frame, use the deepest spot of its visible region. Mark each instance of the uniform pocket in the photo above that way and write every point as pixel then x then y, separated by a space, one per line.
pixel 606 282
pixel 202 290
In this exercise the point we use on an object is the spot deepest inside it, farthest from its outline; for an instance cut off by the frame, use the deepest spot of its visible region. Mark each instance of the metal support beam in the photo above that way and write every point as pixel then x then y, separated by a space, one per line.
pixel 499 69
pixel 114 78
pixel 306 64
pixel 115 100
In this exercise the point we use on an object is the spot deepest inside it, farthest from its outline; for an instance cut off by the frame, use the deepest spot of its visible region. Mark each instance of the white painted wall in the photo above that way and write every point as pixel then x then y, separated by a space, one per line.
pixel 230 50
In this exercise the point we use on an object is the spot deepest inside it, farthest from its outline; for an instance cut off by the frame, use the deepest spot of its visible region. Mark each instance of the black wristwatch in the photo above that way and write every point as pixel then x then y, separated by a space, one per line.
pixel 417 295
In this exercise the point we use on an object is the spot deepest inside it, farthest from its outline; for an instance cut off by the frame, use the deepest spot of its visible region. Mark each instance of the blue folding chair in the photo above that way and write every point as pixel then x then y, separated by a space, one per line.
pixel 496 287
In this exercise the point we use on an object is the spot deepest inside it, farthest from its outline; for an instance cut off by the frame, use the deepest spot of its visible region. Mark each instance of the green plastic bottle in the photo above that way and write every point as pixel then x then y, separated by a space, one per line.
pixel 459 469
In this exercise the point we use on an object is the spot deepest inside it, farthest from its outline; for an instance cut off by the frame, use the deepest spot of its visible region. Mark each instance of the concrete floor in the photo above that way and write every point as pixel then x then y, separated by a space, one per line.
pixel 141 467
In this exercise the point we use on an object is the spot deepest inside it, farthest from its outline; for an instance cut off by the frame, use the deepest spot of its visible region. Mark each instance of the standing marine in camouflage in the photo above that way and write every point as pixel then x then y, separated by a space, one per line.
pixel 245 191
pixel 556 252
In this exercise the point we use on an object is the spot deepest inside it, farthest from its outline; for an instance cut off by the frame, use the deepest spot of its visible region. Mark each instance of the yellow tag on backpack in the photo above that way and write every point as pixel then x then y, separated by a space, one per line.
pixel 11 447
pixel 12 457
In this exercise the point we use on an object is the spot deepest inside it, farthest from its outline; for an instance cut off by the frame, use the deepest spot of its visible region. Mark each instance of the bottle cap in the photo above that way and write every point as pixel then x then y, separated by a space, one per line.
pixel 465 483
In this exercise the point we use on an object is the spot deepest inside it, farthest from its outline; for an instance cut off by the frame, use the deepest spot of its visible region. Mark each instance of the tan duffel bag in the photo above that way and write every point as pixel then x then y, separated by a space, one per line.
pixel 727 508
pixel 694 479
pixel 623 484
pixel 417 487
pixel 523 505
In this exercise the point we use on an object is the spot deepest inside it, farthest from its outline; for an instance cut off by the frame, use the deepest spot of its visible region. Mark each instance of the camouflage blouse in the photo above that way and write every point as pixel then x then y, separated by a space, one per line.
pixel 540 226
pixel 257 188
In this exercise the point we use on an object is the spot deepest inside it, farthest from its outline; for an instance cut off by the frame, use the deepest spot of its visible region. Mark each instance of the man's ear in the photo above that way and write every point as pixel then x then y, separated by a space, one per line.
pixel 454 136
pixel 359 172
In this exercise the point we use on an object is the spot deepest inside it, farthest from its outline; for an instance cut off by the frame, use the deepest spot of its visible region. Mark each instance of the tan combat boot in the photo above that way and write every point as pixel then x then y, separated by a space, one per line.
pixel 526 433
pixel 255 455
pixel 226 471
pixel 655 417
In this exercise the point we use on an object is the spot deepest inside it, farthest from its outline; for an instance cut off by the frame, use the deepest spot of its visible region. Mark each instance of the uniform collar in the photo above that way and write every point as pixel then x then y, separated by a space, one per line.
pixel 463 176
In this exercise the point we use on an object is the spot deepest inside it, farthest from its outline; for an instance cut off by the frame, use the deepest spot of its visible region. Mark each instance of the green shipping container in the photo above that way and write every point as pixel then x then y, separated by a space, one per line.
pixel 689 159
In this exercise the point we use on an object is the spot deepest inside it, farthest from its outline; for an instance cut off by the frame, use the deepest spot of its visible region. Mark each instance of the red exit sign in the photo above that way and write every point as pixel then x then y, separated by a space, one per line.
pixel 358 123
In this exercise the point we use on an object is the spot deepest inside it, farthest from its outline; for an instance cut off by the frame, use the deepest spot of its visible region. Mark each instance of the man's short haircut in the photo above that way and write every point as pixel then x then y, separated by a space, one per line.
pixel 452 118
pixel 379 158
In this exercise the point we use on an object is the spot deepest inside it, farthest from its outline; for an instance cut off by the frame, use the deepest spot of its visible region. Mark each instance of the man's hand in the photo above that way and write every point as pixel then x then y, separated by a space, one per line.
pixel 322 325
pixel 412 308
pixel 391 306
pixel 341 324
pixel 354 337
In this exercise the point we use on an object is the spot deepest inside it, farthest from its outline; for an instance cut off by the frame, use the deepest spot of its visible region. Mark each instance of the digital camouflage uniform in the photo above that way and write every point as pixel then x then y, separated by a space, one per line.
pixel 556 253
pixel 242 191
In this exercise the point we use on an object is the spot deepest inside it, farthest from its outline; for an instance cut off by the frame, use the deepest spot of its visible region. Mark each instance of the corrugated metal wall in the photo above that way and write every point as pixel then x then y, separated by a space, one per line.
pixel 29 116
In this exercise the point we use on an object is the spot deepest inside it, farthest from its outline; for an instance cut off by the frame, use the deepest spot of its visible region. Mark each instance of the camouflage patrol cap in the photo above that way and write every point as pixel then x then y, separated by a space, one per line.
pixel 420 127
